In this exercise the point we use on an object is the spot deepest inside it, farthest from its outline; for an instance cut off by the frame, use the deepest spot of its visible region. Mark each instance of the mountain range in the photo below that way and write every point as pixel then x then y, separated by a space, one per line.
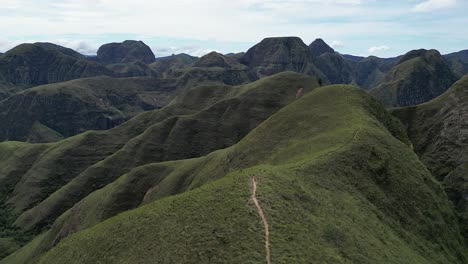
pixel 287 153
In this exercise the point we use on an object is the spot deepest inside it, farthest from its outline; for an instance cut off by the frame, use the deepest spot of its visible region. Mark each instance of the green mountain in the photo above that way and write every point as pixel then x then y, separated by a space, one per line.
pixel 273 55
pixel 56 111
pixel 43 63
pixel 166 65
pixel 125 52
pixel 439 135
pixel 420 76
pixel 190 127
pixel 131 69
pixel 319 47
pixel 215 59
pixel 331 169
pixel 370 72
pixel 458 62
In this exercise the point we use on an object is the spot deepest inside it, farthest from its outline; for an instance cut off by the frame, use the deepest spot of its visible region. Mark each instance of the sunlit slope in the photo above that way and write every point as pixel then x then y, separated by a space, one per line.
pixel 67 171
pixel 336 180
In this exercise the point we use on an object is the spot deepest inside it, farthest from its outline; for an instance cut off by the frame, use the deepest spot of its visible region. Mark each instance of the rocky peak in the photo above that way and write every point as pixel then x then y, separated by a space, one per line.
pixel 127 51
pixel 319 47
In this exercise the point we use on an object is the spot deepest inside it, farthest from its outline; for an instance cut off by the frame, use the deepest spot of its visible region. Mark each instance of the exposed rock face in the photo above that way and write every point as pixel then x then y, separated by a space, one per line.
pixel 419 77
pixel 273 55
pixel 43 63
pixel 439 132
pixel 319 47
pixel 125 52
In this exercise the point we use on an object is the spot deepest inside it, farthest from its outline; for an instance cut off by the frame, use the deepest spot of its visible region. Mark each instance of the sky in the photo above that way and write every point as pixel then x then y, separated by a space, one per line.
pixel 382 28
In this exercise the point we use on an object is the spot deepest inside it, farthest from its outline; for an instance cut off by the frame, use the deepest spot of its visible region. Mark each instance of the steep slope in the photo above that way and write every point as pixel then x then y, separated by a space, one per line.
pixel 420 76
pixel 458 62
pixel 346 69
pixel 319 47
pixel 438 130
pixel 125 52
pixel 336 68
pixel 273 55
pixel 43 63
pixel 187 128
pixel 55 111
pixel 370 72
pixel 329 174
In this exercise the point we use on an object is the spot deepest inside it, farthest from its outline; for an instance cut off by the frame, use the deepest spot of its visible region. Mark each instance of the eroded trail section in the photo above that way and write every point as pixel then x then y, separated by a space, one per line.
pixel 264 220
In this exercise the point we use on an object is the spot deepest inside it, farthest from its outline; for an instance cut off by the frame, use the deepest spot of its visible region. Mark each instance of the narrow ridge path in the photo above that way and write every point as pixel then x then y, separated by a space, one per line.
pixel 264 220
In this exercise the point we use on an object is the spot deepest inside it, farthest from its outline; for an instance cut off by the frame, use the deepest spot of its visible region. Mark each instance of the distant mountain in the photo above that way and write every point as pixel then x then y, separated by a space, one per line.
pixel 214 59
pixel 236 56
pixel 420 76
pixel 43 63
pixel 56 111
pixel 319 47
pixel 273 55
pixel 125 52
pixel 167 64
pixel 131 69
pixel 439 132
pixel 370 72
pixel 353 57
pixel 458 62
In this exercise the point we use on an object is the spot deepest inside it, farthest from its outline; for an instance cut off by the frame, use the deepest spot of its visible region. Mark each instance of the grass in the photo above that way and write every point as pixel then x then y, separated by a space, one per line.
pixel 330 175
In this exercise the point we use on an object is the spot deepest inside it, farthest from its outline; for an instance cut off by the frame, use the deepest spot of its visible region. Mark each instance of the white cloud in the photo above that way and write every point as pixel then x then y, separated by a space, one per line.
pixel 358 23
pixel 336 44
pixel 431 5
pixel 377 49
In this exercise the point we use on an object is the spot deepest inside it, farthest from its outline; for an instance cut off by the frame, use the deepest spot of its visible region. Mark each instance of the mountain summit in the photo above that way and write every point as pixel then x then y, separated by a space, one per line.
pixel 127 51
pixel 319 47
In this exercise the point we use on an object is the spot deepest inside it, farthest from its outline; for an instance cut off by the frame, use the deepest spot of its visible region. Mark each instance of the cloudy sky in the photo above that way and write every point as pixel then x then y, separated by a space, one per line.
pixel 361 27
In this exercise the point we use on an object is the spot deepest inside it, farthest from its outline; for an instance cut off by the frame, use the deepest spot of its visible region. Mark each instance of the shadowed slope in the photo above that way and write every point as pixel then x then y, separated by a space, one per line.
pixel 438 130
pixel 420 76
pixel 43 63
pixel 55 111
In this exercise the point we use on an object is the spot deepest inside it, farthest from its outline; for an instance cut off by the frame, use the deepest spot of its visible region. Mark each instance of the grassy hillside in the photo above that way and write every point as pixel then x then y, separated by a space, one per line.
pixel 439 134
pixel 334 171
pixel 69 170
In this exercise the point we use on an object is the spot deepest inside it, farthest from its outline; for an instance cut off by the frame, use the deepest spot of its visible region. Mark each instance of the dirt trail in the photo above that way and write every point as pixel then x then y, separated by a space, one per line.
pixel 264 220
